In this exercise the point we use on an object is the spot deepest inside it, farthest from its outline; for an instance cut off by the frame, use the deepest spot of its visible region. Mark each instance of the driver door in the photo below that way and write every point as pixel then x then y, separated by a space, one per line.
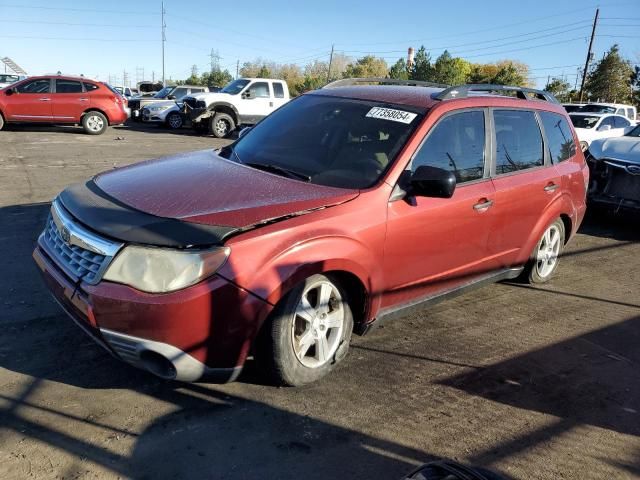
pixel 436 244
pixel 29 101
pixel 256 102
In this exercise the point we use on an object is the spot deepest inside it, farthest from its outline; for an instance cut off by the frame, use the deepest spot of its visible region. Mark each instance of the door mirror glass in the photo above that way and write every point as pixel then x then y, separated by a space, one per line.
pixel 604 128
pixel 9 91
pixel 429 181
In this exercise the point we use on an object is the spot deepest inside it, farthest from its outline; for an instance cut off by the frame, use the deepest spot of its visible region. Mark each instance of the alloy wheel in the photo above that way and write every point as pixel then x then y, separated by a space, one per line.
pixel 548 250
pixel 95 123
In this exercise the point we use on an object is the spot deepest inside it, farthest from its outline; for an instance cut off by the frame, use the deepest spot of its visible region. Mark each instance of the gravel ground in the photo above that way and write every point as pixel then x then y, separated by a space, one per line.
pixel 535 383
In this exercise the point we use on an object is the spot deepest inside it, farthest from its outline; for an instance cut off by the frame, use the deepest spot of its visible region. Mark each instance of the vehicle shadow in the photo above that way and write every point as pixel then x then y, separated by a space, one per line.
pixel 603 223
pixel 155 128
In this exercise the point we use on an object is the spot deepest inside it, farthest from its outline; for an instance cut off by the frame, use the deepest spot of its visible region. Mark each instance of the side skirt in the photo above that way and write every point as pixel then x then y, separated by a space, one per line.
pixel 401 310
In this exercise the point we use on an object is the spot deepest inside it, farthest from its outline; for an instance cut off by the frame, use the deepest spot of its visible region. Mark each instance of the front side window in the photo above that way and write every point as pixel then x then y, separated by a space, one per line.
pixel 68 86
pixel 330 141
pixel 179 92
pixel 608 121
pixel 456 144
pixel 41 85
pixel 559 136
pixel 518 141
pixel 278 90
pixel 260 90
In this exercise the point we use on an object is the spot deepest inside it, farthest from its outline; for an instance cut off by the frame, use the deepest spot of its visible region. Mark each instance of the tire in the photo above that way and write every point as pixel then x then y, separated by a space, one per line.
pixel 1 122
pixel 94 123
pixel 545 257
pixel 298 345
pixel 221 125
pixel 174 121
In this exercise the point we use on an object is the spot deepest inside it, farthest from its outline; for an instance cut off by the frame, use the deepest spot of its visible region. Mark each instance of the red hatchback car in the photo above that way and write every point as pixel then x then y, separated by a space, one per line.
pixel 63 100
pixel 346 206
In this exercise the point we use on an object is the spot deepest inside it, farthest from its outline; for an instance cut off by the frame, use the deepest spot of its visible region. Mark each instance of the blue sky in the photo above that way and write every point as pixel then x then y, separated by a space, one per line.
pixel 104 39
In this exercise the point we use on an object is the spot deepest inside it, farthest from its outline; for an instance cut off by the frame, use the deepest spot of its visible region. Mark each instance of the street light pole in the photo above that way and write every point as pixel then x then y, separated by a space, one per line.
pixel 164 39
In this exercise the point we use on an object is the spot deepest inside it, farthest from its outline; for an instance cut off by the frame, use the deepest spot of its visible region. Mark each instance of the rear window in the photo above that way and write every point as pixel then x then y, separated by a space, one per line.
pixel 518 141
pixel 559 137
pixel 333 141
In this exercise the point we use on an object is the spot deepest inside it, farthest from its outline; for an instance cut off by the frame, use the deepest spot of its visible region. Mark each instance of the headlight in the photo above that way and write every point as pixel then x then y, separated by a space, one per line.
pixel 160 109
pixel 157 270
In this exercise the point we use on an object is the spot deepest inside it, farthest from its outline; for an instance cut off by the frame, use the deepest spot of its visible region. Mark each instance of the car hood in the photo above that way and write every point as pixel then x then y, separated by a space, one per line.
pixel 618 148
pixel 211 97
pixel 202 187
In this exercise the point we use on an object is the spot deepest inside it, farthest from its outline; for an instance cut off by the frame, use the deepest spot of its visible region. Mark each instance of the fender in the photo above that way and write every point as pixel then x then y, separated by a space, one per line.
pixel 561 205
pixel 213 106
pixel 94 109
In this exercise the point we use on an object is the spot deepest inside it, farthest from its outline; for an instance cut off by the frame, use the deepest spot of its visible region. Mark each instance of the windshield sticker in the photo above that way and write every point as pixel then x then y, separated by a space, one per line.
pixel 391 114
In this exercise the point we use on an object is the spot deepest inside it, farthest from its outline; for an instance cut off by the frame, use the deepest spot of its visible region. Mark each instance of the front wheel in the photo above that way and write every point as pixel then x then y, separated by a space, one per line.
pixel 94 123
pixel 174 121
pixel 222 125
pixel 544 261
pixel 308 334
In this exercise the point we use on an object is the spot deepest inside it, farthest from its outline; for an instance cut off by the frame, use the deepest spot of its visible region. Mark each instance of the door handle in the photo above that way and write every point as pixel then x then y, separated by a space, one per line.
pixel 84 99
pixel 271 104
pixel 551 187
pixel 44 99
pixel 483 204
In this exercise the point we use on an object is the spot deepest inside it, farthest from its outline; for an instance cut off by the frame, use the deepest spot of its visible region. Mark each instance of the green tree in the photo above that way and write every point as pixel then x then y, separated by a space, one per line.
pixel 504 72
pixel 264 72
pixel 217 78
pixel 399 70
pixel 450 70
pixel 610 79
pixel 560 89
pixel 310 83
pixel 421 68
pixel 367 66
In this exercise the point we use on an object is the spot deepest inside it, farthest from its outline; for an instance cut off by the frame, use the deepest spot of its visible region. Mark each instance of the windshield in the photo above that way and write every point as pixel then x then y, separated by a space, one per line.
pixel 598 109
pixel 573 108
pixel 634 133
pixel 583 121
pixel 235 87
pixel 118 89
pixel 163 93
pixel 329 141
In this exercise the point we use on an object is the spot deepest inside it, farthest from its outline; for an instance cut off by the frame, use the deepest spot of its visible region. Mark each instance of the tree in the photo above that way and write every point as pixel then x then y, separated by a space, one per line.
pixel 421 68
pixel 399 70
pixel 560 89
pixel 504 72
pixel 217 78
pixel 264 72
pixel 367 66
pixel 610 79
pixel 450 70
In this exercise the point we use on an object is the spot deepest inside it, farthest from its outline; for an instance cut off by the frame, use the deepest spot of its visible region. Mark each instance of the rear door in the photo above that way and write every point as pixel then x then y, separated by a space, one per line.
pixel 68 100
pixel 525 180
pixel 435 244
pixel 278 94
pixel 29 102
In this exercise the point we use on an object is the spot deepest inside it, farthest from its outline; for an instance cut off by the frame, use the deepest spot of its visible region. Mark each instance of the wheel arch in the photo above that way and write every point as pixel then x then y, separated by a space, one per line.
pixel 227 108
pixel 95 109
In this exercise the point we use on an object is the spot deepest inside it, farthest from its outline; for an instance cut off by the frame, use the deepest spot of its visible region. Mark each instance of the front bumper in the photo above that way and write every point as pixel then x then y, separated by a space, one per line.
pixel 154 117
pixel 203 332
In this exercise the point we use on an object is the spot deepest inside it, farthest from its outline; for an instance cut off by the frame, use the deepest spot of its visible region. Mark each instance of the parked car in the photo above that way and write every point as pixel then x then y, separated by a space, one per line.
pixel 166 96
pixel 149 89
pixel 127 92
pixel 573 107
pixel 628 111
pixel 615 172
pixel 63 100
pixel 347 206
pixel 164 113
pixel 240 103
pixel 8 79
pixel 592 126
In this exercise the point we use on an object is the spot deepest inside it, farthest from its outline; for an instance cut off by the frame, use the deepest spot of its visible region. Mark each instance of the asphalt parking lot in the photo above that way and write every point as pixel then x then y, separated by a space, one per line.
pixel 535 383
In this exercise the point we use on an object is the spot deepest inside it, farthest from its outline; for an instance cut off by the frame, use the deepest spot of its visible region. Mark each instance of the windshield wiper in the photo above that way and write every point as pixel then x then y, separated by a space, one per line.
pixel 280 171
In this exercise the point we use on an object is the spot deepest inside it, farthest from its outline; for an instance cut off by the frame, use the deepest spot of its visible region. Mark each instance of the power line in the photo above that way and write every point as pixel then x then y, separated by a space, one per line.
pixel 76 39
pixel 92 10
pixel 83 24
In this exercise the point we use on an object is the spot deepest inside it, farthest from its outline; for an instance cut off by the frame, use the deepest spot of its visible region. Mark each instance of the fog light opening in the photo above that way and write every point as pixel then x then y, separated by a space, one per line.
pixel 158 365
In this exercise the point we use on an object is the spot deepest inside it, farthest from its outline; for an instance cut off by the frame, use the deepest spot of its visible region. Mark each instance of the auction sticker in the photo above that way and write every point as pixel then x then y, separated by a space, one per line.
pixel 391 114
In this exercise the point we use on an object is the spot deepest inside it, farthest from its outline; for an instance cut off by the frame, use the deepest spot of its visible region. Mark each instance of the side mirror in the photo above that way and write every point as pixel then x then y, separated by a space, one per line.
pixel 435 182
pixel 171 97
pixel 9 91
pixel 249 94
pixel 604 128
pixel 243 132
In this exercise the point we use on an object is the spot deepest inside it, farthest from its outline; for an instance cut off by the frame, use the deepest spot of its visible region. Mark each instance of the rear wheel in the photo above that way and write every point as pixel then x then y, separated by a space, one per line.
pixel 1 122
pixel 94 123
pixel 308 334
pixel 174 120
pixel 222 125
pixel 544 261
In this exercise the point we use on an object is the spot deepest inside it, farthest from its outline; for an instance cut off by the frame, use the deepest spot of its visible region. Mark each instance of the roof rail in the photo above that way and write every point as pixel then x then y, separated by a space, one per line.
pixel 463 91
pixel 344 82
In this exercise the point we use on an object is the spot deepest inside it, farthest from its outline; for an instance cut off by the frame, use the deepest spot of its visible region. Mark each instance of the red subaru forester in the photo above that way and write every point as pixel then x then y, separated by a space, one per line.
pixel 345 206
pixel 62 99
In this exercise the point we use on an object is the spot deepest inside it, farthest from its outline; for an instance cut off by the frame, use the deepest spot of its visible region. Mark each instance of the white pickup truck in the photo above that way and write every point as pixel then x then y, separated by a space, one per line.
pixel 244 101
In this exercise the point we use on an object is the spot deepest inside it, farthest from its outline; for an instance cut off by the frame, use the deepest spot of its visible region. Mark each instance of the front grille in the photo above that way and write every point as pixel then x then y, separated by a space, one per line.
pixel 74 260
pixel 624 185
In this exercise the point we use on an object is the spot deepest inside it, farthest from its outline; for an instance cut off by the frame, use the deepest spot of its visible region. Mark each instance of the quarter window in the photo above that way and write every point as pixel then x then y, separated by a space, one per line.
pixel 41 85
pixel 518 141
pixel 456 144
pixel 631 114
pixel 90 87
pixel 278 90
pixel 68 86
pixel 559 136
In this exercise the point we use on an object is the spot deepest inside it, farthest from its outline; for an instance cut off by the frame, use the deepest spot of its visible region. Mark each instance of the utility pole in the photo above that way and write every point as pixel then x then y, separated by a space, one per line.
pixel 330 62
pixel 125 78
pixel 164 39
pixel 237 69
pixel 215 60
pixel 586 63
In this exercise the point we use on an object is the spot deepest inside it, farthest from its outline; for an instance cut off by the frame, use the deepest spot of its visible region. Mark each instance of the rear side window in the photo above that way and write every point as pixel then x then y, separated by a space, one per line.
pixel 620 122
pixel 41 85
pixel 68 86
pixel 278 90
pixel 559 136
pixel 456 144
pixel 631 114
pixel 518 141
pixel 90 87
